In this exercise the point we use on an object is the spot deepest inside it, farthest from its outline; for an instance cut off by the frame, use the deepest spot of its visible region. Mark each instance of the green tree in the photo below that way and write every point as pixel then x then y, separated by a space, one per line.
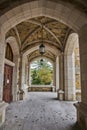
pixel 41 74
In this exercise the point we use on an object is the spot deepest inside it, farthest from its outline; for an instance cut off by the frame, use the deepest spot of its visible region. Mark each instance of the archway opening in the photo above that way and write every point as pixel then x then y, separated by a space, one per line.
pixel 41 75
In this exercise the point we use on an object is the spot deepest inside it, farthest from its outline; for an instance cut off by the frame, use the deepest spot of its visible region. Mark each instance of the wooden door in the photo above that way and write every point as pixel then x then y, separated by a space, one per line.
pixel 7 88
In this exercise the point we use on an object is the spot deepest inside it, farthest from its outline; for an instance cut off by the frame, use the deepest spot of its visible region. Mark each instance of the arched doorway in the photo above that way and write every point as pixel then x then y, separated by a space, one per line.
pixel 8 74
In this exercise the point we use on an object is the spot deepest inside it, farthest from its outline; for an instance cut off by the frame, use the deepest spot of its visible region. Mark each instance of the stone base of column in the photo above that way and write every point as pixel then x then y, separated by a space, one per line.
pixel 53 89
pixel 29 89
pixel 3 107
pixel 60 95
pixel 81 115
pixel 20 94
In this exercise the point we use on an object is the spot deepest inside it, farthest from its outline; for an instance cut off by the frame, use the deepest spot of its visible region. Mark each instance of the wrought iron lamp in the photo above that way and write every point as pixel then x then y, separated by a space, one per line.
pixel 42 47
pixel 41 61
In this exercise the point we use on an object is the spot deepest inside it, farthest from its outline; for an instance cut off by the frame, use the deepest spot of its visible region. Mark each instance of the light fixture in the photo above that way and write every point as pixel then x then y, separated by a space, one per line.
pixel 42 47
pixel 41 61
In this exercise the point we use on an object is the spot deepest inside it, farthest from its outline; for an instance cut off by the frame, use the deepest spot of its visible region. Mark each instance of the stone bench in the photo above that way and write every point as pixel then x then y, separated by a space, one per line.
pixel 3 107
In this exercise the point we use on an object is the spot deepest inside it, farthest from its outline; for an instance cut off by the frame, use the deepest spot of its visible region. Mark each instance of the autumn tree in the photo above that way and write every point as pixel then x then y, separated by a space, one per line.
pixel 42 73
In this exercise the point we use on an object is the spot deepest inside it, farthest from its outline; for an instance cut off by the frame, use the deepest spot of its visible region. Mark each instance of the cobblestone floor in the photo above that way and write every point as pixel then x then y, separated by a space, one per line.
pixel 40 111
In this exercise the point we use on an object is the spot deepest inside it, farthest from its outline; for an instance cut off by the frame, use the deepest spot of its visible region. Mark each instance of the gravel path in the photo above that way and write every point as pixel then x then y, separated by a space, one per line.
pixel 40 111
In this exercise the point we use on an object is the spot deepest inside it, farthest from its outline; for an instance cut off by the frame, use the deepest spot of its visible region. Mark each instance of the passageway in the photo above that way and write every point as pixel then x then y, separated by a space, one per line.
pixel 40 111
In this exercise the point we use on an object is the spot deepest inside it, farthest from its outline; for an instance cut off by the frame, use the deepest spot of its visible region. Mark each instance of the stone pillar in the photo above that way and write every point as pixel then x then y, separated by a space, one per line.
pixel 26 74
pixel 20 71
pixel 21 79
pixel 23 71
pixel 3 105
pixel 29 77
pixel 69 66
pixel 15 77
pixel 82 106
pixel 54 76
pixel 2 58
pixel 57 73
pixel 61 77
pixel 61 68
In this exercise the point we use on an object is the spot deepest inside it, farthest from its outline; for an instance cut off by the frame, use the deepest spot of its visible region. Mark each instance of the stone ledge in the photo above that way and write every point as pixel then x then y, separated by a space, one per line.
pixel 41 89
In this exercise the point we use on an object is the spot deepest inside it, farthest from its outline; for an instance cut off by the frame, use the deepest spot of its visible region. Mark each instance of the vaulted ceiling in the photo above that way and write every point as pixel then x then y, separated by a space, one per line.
pixel 30 33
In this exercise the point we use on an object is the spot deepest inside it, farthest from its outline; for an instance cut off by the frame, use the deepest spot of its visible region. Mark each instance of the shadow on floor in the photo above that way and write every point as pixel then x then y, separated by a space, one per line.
pixel 76 127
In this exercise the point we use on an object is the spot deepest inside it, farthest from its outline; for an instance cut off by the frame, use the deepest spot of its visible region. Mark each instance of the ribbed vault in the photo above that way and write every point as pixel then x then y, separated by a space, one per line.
pixel 29 34
pixel 35 54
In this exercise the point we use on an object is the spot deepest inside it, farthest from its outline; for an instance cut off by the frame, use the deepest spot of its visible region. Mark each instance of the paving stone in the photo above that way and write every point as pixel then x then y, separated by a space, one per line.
pixel 40 111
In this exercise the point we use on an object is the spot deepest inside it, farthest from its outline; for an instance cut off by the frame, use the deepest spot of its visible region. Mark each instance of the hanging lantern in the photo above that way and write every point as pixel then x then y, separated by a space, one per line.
pixel 41 61
pixel 42 49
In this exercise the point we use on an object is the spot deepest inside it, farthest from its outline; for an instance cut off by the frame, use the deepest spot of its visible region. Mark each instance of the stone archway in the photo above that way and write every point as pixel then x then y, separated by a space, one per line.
pixel 59 11
pixel 25 61
pixel 69 60
pixel 40 8
pixel 15 48
pixel 43 8
pixel 14 45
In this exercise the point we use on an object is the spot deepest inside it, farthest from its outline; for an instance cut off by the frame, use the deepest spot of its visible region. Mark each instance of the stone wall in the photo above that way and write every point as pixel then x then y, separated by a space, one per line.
pixel 40 88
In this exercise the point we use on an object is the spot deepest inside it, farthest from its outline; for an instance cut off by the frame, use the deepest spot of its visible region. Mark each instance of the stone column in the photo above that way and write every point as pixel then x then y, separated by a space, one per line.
pixel 57 73
pixel 82 107
pixel 3 105
pixel 61 68
pixel 2 58
pixel 15 77
pixel 61 77
pixel 26 74
pixel 69 66
pixel 23 72
pixel 54 76
pixel 20 71
pixel 29 77
pixel 21 79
